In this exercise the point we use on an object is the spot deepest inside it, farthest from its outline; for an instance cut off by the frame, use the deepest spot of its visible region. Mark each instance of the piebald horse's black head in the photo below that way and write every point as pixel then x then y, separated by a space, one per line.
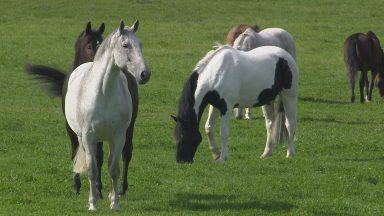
pixel 186 133
pixel 187 138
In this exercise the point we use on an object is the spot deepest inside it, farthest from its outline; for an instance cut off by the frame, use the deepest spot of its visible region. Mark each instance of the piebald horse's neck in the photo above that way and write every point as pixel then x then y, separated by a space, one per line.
pixel 104 74
pixel 192 104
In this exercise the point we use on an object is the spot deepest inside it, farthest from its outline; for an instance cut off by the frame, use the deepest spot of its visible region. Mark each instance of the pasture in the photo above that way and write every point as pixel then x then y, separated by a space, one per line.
pixel 338 165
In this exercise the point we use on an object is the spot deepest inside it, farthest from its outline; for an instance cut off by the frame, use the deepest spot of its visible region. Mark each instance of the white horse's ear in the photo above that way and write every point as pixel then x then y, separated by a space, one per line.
pixel 174 118
pixel 88 29
pixel 122 25
pixel 135 26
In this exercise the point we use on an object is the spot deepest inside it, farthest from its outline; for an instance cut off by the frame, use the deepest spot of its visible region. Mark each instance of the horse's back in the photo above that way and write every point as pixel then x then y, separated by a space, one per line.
pixel 362 52
pixel 279 37
pixel 238 74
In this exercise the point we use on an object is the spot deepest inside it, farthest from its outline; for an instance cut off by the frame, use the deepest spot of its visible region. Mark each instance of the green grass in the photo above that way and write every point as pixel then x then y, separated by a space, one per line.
pixel 338 168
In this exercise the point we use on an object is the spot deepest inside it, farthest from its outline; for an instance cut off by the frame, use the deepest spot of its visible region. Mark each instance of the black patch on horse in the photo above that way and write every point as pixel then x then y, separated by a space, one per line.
pixel 213 97
pixel 283 80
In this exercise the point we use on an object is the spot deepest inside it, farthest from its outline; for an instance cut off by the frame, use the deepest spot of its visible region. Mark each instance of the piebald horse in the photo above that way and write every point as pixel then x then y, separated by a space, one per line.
pixel 251 39
pixel 226 78
pixel 98 104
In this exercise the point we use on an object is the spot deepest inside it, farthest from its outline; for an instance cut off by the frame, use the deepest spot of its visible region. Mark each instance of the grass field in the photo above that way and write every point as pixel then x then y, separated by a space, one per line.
pixel 338 166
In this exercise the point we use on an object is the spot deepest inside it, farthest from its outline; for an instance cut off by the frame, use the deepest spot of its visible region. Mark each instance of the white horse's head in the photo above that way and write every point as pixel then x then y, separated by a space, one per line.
pixel 127 52
pixel 246 41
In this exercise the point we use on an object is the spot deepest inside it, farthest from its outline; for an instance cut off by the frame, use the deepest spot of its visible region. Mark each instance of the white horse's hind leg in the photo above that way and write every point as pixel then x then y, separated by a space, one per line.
pixel 248 113
pixel 269 115
pixel 225 126
pixel 89 143
pixel 238 112
pixel 115 149
pixel 290 106
pixel 213 115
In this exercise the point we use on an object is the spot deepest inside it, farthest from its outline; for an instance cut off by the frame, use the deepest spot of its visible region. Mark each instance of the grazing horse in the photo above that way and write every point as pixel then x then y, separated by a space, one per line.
pixel 226 78
pixel 99 106
pixel 363 52
pixel 235 31
pixel 251 39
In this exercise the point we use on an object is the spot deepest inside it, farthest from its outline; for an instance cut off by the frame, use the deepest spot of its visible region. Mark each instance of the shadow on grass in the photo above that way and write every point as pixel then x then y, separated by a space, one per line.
pixel 207 202
pixel 320 100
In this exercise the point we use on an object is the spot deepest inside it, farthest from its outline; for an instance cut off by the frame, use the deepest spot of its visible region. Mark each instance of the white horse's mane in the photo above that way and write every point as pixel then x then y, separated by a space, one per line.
pixel 205 60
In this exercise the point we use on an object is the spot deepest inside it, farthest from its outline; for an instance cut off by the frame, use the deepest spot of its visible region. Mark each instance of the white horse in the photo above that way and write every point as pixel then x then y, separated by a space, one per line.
pixel 226 78
pixel 98 104
pixel 251 39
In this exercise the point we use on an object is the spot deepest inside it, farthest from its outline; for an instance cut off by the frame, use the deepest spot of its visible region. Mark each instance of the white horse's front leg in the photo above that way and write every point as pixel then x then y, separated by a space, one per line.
pixel 269 115
pixel 90 144
pixel 115 149
pixel 213 115
pixel 225 126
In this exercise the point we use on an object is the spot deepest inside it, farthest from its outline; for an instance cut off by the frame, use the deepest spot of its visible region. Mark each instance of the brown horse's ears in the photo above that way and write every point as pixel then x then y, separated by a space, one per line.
pixel 101 28
pixel 174 118
pixel 88 29
pixel 135 26
pixel 122 25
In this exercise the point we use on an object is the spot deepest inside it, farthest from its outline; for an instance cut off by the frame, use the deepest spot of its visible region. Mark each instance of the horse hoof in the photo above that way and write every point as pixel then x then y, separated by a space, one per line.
pixel 221 159
pixel 92 207
pixel 115 206
pixel 266 155
pixel 290 154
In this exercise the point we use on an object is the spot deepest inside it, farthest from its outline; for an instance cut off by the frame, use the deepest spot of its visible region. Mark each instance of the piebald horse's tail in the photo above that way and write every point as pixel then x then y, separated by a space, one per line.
pixel 350 55
pixel 52 80
pixel 279 131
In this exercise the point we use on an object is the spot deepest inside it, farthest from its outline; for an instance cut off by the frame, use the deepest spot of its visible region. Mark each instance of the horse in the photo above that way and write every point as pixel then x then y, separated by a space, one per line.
pixel 363 52
pixel 98 104
pixel 251 39
pixel 235 31
pixel 54 83
pixel 226 78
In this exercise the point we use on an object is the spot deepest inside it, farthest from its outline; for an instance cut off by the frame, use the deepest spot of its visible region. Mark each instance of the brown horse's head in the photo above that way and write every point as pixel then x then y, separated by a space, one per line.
pixel 87 44
pixel 235 31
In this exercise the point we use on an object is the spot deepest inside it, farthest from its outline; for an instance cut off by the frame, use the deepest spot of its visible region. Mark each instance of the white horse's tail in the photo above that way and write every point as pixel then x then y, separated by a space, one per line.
pixel 279 130
pixel 79 162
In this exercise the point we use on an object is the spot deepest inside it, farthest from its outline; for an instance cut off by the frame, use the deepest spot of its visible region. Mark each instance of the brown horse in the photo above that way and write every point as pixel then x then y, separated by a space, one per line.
pixel 55 83
pixel 235 31
pixel 363 52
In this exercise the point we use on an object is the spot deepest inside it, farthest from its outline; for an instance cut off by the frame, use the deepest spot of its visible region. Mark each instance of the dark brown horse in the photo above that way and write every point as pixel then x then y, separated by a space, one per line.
pixel 362 52
pixel 55 85
pixel 235 31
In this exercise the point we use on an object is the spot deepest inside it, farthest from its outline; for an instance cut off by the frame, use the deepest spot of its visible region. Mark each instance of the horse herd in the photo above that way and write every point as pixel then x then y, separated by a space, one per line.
pixel 100 94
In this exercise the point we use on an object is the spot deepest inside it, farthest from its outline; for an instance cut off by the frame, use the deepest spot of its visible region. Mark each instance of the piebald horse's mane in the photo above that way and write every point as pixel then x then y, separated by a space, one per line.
pixel 205 60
